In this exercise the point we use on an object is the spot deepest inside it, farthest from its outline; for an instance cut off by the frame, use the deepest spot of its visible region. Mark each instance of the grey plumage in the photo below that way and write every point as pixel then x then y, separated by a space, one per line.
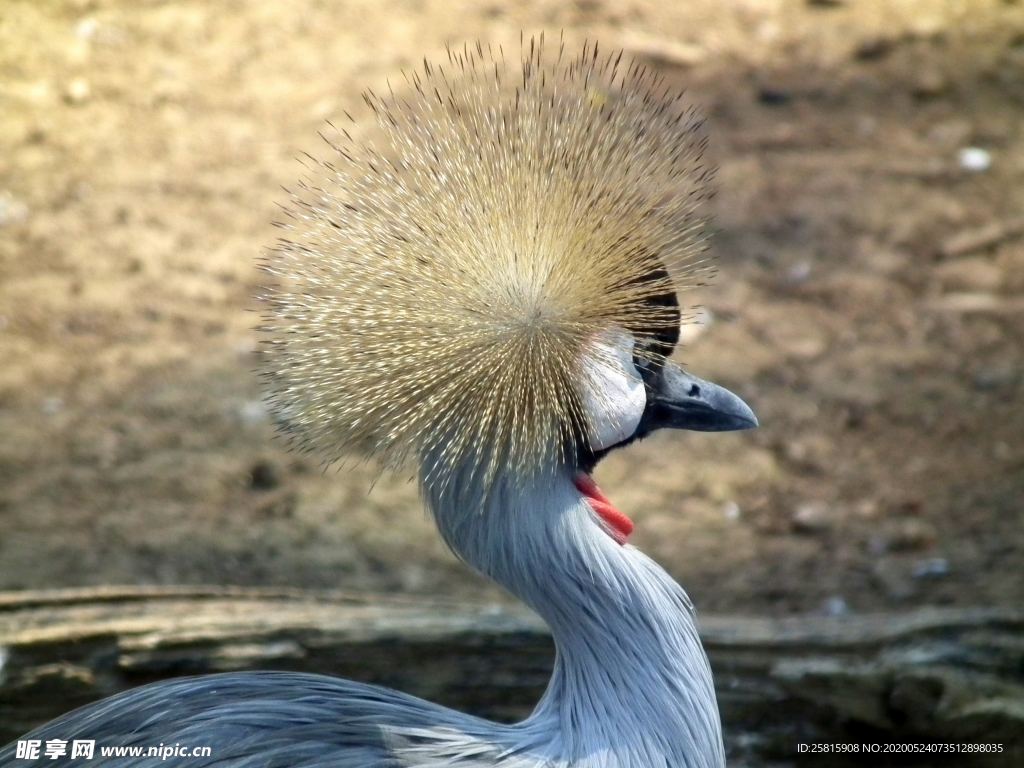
pixel 489 296
pixel 631 685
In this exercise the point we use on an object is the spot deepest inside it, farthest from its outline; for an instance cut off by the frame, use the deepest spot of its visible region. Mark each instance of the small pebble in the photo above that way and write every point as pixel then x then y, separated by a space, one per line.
pixel 989 379
pixel 86 29
pixel 798 273
pixel 52 406
pixel 929 84
pixel 811 518
pixel 867 508
pixel 835 606
pixel 974 159
pixel 912 535
pixel 867 125
pixel 252 413
pixel 12 210
pixel 78 91
pixel 934 568
pixel 731 510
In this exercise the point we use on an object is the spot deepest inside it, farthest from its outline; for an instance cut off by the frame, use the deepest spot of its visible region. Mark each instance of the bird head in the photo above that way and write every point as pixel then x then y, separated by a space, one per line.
pixel 490 278
pixel 634 393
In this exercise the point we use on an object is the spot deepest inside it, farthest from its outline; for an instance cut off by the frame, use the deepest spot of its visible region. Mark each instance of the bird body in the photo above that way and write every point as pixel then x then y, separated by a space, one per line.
pixel 631 686
pixel 489 296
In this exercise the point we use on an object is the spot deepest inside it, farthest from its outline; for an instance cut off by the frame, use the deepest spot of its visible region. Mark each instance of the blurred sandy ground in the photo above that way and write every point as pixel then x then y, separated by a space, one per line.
pixel 868 306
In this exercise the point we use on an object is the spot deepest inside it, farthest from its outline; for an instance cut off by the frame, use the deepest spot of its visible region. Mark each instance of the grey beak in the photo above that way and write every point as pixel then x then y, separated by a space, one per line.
pixel 682 401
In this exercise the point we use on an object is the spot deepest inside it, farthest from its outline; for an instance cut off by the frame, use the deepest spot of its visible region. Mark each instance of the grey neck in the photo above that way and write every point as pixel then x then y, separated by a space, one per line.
pixel 631 684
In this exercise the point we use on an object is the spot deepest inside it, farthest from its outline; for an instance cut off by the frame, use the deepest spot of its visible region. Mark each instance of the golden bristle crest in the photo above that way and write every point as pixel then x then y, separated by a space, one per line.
pixel 441 286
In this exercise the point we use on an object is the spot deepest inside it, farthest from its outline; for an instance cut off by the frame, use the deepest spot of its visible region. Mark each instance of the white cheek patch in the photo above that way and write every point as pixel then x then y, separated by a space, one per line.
pixel 614 395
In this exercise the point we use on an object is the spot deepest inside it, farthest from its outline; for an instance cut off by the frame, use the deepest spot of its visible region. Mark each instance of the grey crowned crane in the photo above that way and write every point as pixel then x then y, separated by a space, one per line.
pixel 482 290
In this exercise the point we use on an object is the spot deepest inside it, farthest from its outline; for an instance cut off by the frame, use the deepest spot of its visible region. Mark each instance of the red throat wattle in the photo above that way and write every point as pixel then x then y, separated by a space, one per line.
pixel 619 526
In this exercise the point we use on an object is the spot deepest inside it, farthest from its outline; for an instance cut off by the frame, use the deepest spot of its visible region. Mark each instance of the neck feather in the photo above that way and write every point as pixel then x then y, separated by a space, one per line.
pixel 631 684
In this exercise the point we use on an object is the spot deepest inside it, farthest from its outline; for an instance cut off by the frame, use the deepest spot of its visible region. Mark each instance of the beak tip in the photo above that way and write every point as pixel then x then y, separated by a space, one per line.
pixel 737 423
pixel 749 419
pixel 732 414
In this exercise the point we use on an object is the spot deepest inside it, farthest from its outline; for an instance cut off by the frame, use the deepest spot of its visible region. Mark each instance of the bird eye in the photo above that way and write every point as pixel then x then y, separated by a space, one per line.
pixel 650 354
pixel 647 364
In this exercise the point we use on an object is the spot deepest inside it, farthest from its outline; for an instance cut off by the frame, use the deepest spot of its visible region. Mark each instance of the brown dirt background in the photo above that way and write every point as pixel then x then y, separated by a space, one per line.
pixel 143 146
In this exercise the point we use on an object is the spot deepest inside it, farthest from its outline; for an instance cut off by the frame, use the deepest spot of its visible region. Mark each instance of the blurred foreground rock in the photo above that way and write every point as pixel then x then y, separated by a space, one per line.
pixel 941 675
